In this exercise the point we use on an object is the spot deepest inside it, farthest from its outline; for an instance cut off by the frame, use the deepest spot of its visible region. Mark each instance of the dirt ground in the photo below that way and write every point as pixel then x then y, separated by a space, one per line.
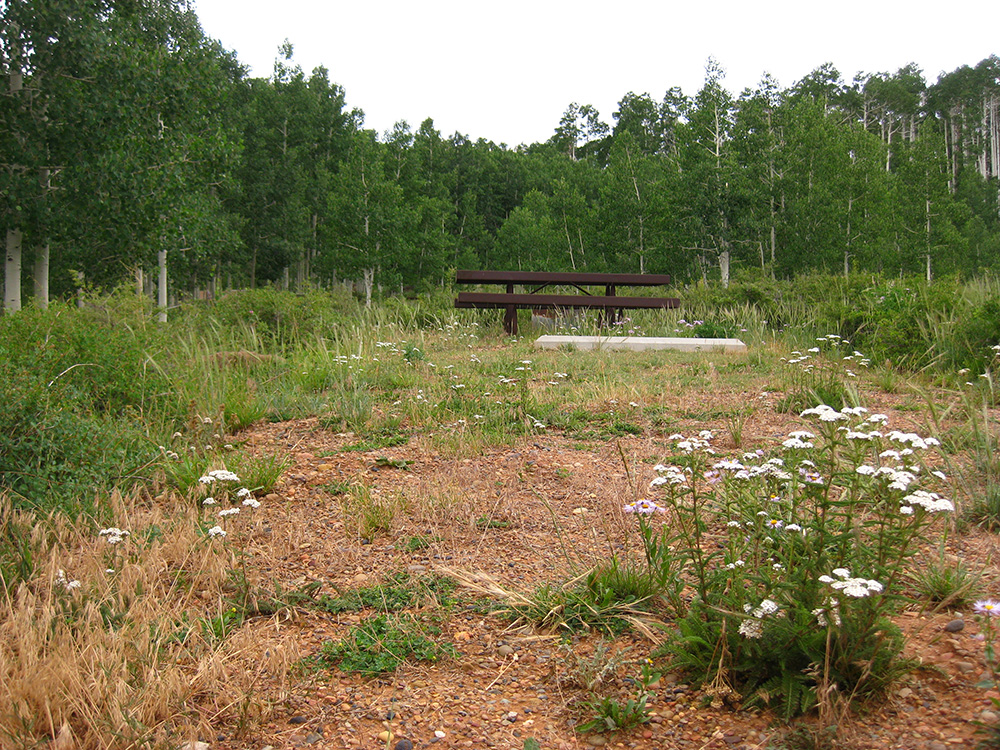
pixel 522 516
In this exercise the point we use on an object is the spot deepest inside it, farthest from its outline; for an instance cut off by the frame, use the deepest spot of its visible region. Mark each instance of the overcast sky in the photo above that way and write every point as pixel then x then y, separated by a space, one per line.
pixel 506 71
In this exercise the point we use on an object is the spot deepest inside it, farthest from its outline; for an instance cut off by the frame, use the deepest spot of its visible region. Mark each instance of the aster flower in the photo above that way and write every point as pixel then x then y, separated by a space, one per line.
pixel 644 507
pixel 987 607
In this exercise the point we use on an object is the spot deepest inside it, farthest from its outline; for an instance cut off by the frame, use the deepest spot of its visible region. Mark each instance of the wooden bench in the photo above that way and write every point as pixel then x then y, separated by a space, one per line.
pixel 609 303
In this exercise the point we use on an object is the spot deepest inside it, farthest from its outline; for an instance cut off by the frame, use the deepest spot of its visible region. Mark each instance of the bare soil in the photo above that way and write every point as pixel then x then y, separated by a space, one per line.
pixel 534 513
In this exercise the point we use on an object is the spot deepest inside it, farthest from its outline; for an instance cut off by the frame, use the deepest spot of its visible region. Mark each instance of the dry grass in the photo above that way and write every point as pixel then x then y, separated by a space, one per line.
pixel 122 660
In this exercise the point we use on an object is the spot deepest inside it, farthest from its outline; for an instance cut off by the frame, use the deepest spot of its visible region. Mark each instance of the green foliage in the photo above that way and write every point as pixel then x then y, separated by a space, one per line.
pixel 946 584
pixel 608 599
pixel 400 591
pixel 218 628
pixel 825 389
pixel 984 510
pixel 783 608
pixel 612 716
pixel 381 644
pixel 17 553
pixel 279 318
pixel 75 385
pixel 259 473
pixel 806 737
pixel 385 439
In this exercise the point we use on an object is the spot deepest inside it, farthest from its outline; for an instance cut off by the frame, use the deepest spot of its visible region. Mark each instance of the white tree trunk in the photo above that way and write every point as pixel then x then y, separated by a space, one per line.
pixel 42 276
pixel 724 268
pixel 12 272
pixel 368 279
pixel 161 286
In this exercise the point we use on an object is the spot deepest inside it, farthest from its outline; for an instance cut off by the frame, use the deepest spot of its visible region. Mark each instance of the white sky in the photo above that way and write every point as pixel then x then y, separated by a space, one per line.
pixel 506 71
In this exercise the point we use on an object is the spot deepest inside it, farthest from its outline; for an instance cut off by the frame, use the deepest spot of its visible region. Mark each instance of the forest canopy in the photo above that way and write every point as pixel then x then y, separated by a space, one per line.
pixel 128 137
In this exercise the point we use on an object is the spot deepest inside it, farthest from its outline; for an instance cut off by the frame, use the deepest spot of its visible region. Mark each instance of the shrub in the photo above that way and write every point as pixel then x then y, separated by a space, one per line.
pixel 793 596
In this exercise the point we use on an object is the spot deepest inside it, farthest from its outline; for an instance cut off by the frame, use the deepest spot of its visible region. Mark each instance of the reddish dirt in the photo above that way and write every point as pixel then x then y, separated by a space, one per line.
pixel 532 495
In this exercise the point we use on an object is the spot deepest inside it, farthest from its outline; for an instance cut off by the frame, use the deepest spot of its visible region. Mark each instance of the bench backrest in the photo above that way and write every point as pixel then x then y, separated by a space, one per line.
pixel 560 277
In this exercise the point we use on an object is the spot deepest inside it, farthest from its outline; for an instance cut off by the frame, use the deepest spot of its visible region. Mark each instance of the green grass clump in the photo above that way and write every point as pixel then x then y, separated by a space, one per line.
pixel 946 584
pixel 610 599
pixel 397 593
pixel 382 644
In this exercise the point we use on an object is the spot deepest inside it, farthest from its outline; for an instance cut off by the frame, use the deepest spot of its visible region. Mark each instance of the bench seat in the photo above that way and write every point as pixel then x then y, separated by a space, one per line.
pixel 501 300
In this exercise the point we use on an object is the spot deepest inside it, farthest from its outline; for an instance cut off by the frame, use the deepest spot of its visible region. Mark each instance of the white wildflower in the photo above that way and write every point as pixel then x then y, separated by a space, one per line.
pixel 113 535
pixel 751 628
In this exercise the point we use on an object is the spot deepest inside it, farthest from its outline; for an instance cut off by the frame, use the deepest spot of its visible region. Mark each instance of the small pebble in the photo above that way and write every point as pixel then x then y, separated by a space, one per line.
pixel 298 720
pixel 955 626
pixel 404 744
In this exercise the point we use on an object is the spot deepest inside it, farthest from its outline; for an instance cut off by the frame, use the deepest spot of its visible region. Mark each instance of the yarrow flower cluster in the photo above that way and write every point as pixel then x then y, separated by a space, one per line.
pixel 929 501
pixel 753 627
pixel 825 615
pixel 858 588
pixel 825 413
pixel 243 495
pixel 113 535
pixel 65 582
pixel 220 475
pixel 703 442
pixel 668 475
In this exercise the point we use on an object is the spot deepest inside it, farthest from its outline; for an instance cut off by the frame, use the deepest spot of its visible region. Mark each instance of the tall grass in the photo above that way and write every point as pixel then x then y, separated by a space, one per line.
pixel 102 643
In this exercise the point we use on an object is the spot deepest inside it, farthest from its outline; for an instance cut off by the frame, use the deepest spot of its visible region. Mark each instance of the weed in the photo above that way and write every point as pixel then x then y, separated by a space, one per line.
pixel 736 421
pixel 399 592
pixel 368 514
pixel 377 442
pixel 393 463
pixel 806 737
pixel 381 644
pixel 337 488
pixel 589 670
pixel 984 510
pixel 578 606
pixel 419 542
pixel 946 584
pixel 485 522
pixel 612 716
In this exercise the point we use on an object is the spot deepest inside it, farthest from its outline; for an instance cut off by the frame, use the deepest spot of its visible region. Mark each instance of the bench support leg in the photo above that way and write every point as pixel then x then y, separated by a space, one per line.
pixel 510 320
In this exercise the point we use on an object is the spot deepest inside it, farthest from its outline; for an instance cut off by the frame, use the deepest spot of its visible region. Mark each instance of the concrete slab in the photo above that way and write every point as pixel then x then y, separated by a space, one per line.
pixel 639 343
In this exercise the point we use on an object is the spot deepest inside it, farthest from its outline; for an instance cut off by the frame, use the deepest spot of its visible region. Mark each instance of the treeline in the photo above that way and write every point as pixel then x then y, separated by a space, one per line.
pixel 129 140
